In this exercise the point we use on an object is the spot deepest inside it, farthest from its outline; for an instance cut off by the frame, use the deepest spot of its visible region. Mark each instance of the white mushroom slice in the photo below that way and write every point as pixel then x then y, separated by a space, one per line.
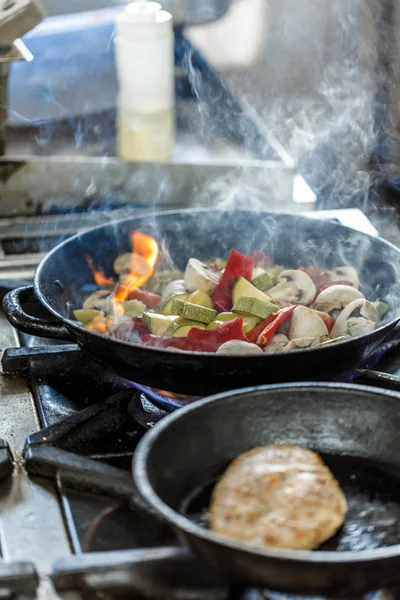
pixel 174 288
pixel 307 342
pixel 345 273
pixel 333 299
pixel 284 292
pixel 293 286
pixel 99 300
pixel 277 344
pixel 306 323
pixel 358 317
pixel 198 276
pixel 239 347
pixel 128 262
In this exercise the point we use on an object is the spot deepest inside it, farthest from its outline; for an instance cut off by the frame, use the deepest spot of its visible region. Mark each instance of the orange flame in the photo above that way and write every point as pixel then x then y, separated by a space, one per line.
pixel 99 277
pixel 144 257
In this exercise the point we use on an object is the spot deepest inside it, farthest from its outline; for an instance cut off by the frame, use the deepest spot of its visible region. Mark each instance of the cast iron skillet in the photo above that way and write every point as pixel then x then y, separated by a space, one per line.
pixel 357 432
pixel 62 279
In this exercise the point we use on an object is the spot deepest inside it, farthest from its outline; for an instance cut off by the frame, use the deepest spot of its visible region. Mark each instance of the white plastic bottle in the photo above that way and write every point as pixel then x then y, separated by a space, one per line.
pixel 144 52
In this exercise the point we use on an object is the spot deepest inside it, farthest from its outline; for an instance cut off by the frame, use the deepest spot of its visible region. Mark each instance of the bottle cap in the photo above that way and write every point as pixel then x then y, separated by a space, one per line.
pixel 143 21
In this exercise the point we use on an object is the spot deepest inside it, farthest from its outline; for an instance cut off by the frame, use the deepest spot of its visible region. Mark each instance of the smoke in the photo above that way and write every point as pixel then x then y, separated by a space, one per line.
pixel 315 90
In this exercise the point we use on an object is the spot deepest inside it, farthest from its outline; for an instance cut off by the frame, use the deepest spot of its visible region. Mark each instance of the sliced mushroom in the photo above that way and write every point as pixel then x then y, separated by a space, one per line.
pixel 239 347
pixel 345 273
pixel 174 288
pixel 293 286
pixel 198 276
pixel 333 299
pixel 307 342
pixel 306 323
pixel 358 317
pixel 277 344
pixel 160 280
pixel 99 300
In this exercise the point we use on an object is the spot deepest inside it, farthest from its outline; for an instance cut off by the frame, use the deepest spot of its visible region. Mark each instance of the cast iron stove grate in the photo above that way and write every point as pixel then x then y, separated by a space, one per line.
pixel 92 423
pixel 15 577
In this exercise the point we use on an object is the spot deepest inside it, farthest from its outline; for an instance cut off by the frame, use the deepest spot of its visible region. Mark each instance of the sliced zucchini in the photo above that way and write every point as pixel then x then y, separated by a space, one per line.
pixel 381 308
pixel 254 306
pixel 226 316
pixel 249 321
pixel 160 324
pixel 201 298
pixel 193 311
pixel 244 288
pixel 86 315
pixel 184 326
pixel 167 308
pixel 264 281
pixel 174 288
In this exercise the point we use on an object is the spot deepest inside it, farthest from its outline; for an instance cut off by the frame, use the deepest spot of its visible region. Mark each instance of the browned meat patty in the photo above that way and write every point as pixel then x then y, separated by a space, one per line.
pixel 282 496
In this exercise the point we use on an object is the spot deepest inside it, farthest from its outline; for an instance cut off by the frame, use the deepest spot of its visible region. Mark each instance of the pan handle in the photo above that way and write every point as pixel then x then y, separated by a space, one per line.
pixel 21 320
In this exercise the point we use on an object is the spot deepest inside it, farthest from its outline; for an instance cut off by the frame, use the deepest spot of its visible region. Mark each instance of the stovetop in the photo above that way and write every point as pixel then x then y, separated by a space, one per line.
pixel 90 423
pixel 72 432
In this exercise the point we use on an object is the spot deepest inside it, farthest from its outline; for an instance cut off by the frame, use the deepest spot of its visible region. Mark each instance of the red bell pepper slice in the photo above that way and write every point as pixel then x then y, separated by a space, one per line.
pixel 148 298
pixel 331 283
pixel 238 265
pixel 258 329
pixel 265 331
pixel 327 319
pixel 138 323
pixel 200 340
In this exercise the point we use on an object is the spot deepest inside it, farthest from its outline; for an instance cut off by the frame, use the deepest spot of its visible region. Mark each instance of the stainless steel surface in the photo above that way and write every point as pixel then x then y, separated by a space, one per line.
pixel 30 189
pixel 184 12
pixel 16 52
pixel 142 572
pixel 31 524
pixel 31 184
pixel 49 229
pixel 17 17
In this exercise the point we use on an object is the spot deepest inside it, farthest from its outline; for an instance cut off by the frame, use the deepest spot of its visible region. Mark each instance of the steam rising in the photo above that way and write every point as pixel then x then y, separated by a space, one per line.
pixel 315 91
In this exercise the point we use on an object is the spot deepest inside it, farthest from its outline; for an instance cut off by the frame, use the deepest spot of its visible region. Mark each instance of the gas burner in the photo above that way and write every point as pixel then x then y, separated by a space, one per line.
pixel 6 461
pixel 81 447
pixel 87 451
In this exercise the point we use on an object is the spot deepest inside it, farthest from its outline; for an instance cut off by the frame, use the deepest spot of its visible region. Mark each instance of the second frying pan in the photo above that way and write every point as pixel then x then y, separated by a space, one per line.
pixel 357 432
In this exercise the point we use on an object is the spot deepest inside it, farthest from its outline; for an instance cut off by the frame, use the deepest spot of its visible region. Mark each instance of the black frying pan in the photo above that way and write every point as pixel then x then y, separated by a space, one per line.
pixel 63 276
pixel 357 432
